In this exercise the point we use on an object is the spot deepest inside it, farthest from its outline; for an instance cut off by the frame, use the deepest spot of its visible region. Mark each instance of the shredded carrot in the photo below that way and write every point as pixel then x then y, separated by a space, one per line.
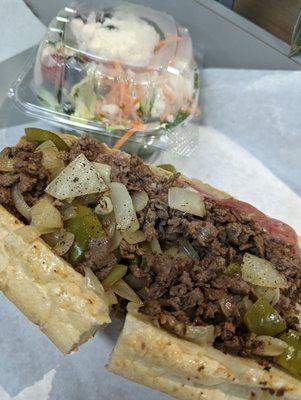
pixel 121 93
pixel 137 127
pixel 167 40
pixel 191 110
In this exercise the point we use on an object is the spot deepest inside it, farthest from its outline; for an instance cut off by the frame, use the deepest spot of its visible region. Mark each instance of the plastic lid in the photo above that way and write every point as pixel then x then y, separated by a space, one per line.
pixel 116 66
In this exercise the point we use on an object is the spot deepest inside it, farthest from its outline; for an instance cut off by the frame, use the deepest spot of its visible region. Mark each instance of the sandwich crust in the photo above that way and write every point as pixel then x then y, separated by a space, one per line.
pixel 47 289
pixel 153 357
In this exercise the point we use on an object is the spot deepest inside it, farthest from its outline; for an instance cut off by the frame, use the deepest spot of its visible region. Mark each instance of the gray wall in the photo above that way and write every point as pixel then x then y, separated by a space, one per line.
pixel 227 3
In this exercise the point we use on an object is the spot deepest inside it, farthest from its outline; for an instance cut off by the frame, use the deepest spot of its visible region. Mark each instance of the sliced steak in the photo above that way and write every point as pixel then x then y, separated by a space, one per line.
pixel 88 146
pixel 99 257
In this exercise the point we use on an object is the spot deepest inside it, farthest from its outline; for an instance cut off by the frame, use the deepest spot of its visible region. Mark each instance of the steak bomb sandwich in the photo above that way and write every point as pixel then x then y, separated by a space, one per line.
pixel 211 284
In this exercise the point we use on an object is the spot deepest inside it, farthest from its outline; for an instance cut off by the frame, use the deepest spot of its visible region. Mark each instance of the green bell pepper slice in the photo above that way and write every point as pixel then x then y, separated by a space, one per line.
pixel 40 136
pixel 232 269
pixel 262 318
pixel 168 167
pixel 84 225
pixel 290 359
pixel 118 271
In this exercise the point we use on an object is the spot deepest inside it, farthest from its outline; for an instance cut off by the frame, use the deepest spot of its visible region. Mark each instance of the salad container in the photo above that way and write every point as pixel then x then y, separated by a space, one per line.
pixel 124 72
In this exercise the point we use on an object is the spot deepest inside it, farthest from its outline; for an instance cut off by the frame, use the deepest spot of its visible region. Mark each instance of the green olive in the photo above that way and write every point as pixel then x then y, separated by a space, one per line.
pixel 261 318
pixel 290 359
pixel 118 271
pixel 84 225
pixel 40 136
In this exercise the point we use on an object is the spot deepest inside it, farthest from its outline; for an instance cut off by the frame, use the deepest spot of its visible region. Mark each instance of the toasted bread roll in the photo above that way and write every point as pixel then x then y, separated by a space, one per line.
pixel 47 289
pixel 187 371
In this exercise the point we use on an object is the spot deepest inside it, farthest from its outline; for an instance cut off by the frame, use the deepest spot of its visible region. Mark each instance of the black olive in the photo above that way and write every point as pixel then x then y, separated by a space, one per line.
pixel 68 108
pixel 103 16
pixel 82 17
pixel 74 71
pixel 66 102
pixel 108 15
pixel 111 27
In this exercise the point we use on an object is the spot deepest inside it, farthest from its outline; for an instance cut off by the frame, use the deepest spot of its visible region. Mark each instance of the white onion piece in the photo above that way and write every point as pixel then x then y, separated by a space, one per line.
pixel 271 295
pixel 226 306
pixel 111 298
pixel 133 237
pixel 104 207
pixel 103 170
pixel 28 233
pixel 6 164
pixel 68 213
pixel 53 238
pixel 77 179
pixel 261 272
pixel 172 251
pixel 19 202
pixel 244 305
pixel 187 249
pixel 134 225
pixel 64 244
pixel 272 347
pixel 247 302
pixel 116 239
pixel 70 200
pixel 125 214
pixel 298 309
pixel 175 252
pixel 133 308
pixel 140 200
pixel 109 224
pixel 51 159
pixel 93 282
pixel 203 335
pixel 126 292
pixel 155 246
pixel 45 217
pixel 88 199
pixel 186 200
pixel 110 229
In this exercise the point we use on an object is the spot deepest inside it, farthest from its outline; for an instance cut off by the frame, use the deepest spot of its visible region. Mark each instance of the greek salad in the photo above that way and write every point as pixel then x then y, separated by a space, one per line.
pixel 123 70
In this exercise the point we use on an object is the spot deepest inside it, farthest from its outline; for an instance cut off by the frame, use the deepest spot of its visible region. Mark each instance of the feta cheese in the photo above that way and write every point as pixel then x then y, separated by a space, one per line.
pixel 159 104
pixel 111 109
pixel 124 37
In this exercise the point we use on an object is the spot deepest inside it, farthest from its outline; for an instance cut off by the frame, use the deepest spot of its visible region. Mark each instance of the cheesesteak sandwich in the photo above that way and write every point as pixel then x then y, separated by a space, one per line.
pixel 211 285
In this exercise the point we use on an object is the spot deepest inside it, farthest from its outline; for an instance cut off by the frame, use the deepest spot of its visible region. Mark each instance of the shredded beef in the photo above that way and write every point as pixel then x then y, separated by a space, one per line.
pixel 202 231
pixel 99 257
pixel 29 163
pixel 128 251
pixel 88 146
pixel 176 293
pixel 260 245
pixel 26 182
pixel 7 180
pixel 28 172
pixel 135 175
pixel 5 196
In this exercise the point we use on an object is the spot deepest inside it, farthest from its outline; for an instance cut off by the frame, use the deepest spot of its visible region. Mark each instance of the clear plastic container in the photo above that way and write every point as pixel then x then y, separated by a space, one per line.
pixel 112 67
